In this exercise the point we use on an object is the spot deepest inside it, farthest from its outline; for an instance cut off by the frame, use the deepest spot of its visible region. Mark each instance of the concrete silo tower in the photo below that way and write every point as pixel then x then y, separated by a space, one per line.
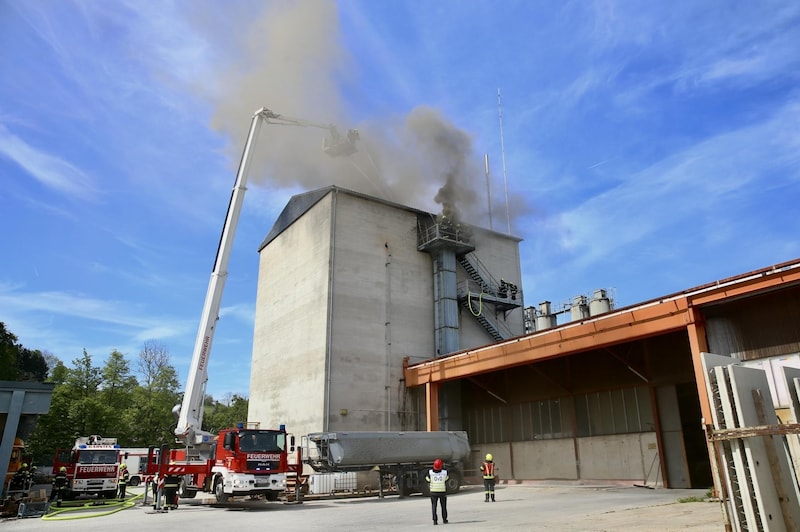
pixel 349 285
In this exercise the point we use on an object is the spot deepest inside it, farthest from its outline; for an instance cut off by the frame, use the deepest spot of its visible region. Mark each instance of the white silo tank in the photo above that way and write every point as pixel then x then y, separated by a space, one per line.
pixel 546 319
pixel 600 303
pixel 579 310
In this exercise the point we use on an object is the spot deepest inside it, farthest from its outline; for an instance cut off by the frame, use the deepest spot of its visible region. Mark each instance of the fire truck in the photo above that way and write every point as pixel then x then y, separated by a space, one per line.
pixel 135 459
pixel 92 466
pixel 237 461
pixel 240 462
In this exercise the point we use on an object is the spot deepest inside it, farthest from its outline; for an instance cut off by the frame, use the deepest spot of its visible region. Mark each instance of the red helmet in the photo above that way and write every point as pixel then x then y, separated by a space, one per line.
pixel 438 464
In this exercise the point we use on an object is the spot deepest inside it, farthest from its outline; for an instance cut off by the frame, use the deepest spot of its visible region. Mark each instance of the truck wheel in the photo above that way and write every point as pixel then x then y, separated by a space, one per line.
pixel 221 496
pixel 453 484
pixel 184 492
pixel 134 481
pixel 110 494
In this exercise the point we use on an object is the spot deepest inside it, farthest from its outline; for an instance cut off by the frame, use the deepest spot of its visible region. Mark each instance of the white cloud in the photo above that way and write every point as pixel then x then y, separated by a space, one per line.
pixel 51 171
pixel 702 178
pixel 72 305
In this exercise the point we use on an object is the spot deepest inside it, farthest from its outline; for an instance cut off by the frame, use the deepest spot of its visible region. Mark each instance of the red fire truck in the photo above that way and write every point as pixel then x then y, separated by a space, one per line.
pixel 92 466
pixel 240 461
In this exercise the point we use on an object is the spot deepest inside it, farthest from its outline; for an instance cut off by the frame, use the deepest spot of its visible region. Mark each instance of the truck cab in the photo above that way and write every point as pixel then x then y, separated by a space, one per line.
pixel 250 462
pixel 92 466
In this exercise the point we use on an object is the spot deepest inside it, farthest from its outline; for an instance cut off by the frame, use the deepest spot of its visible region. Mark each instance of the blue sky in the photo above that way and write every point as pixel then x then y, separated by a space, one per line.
pixel 650 147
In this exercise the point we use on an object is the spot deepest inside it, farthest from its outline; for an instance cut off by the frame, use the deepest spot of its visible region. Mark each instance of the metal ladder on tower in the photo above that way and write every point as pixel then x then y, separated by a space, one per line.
pixel 487 292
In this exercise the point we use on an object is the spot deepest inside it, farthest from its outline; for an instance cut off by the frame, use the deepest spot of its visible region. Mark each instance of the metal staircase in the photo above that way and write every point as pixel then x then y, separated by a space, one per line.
pixel 483 289
pixel 488 325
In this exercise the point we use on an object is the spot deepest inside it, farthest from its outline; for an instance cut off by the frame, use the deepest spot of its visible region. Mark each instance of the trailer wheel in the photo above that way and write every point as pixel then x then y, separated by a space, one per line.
pixel 422 484
pixel 453 484
pixel 219 492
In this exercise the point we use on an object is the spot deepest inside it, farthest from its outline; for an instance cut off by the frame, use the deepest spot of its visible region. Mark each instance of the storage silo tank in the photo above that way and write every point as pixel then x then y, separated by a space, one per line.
pixel 600 303
pixel 579 310
pixel 529 314
pixel 546 319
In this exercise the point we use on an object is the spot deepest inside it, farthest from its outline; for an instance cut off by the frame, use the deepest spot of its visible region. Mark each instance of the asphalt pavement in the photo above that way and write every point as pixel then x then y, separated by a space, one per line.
pixel 521 507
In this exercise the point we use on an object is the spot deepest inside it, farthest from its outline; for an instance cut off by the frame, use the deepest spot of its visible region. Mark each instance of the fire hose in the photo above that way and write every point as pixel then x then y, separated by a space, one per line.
pixel 111 507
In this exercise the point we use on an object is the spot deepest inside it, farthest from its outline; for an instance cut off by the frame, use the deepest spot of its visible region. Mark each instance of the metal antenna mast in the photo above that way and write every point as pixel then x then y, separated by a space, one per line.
pixel 488 188
pixel 503 152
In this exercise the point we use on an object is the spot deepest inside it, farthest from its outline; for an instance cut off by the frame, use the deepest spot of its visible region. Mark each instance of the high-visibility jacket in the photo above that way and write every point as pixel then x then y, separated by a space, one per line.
pixel 488 470
pixel 123 477
pixel 437 480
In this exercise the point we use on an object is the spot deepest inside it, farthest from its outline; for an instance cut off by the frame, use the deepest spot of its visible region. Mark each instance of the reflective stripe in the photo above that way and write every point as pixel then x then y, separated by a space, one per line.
pixel 488 470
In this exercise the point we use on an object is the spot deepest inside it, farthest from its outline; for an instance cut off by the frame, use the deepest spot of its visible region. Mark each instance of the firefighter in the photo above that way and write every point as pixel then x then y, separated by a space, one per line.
pixel 489 470
pixel 437 484
pixel 60 483
pixel 124 476
pixel 21 481
pixel 171 483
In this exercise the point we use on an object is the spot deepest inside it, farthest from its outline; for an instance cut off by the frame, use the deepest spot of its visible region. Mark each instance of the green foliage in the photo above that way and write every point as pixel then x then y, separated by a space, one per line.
pixel 8 354
pixel 111 400
pixel 222 415
pixel 18 363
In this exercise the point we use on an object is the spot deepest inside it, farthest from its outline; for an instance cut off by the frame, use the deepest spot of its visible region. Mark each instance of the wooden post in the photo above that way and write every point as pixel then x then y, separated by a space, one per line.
pixel 432 406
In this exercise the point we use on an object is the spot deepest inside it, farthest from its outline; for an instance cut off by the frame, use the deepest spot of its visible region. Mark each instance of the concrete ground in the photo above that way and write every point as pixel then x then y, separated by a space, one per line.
pixel 518 507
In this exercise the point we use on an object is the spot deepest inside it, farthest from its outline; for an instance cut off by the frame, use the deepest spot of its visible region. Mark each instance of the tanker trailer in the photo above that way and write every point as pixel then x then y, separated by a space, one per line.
pixel 407 456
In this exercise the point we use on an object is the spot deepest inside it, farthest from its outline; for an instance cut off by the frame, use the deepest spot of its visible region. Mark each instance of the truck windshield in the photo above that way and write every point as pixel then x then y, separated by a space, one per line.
pixel 98 457
pixel 262 440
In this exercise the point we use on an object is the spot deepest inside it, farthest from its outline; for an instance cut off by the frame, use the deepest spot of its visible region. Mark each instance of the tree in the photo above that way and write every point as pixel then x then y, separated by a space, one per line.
pixel 52 361
pixel 56 429
pixel 18 362
pixel 153 401
pixel 31 365
pixel 118 383
pixel 8 354
pixel 87 413
pixel 116 394
pixel 222 415
pixel 112 402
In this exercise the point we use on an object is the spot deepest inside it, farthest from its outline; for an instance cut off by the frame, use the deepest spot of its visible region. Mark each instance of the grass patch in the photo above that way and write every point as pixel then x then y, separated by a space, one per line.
pixel 704 498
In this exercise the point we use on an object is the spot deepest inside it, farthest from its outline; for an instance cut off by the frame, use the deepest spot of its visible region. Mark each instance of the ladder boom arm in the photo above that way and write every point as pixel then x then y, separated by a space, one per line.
pixel 190 411
pixel 190 416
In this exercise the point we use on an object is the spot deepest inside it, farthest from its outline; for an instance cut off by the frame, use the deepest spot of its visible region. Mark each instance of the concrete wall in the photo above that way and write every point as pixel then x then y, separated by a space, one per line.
pixel 621 457
pixel 287 376
pixel 618 457
pixel 382 311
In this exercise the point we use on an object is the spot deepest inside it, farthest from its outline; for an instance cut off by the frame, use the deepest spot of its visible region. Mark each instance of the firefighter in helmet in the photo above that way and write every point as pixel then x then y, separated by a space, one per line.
pixel 172 481
pixel 489 471
pixel 437 485
pixel 21 481
pixel 60 483
pixel 124 476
